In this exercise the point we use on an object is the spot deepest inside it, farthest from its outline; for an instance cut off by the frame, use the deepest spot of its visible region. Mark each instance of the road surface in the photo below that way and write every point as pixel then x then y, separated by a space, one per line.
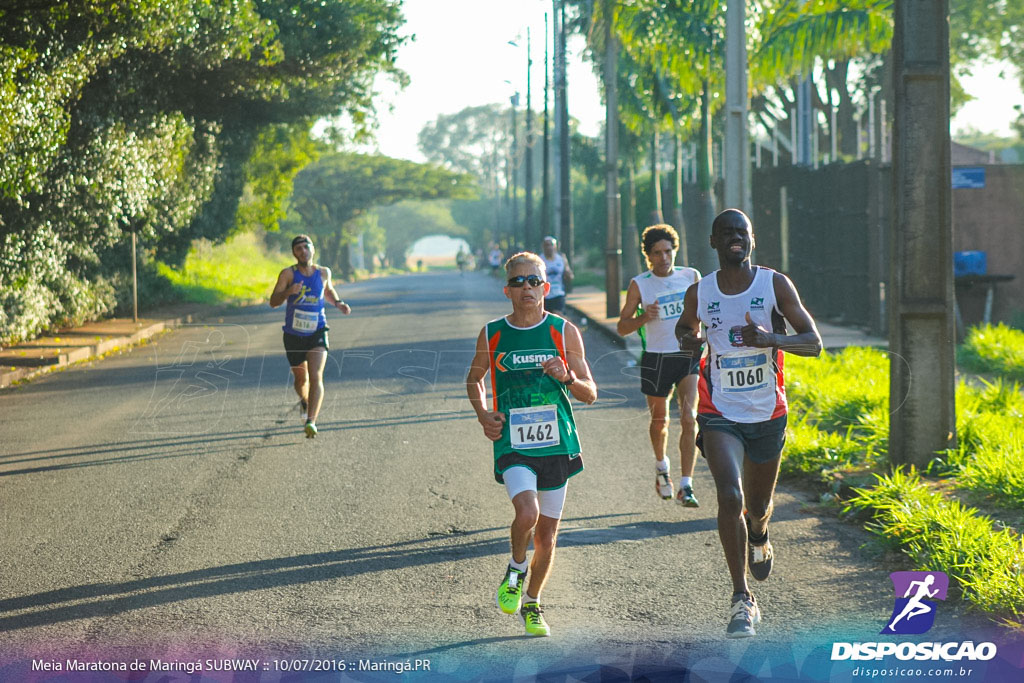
pixel 164 504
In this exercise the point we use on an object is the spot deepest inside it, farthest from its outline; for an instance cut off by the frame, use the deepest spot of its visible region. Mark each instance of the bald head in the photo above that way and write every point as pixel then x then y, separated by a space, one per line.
pixel 731 218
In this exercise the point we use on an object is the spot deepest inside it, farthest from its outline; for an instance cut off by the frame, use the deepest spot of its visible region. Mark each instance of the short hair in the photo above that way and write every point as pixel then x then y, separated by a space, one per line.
pixel 731 213
pixel 299 239
pixel 526 257
pixel 657 233
pixel 550 238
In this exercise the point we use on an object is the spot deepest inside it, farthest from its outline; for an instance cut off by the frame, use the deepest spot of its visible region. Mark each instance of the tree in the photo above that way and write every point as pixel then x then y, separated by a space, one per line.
pixel 405 222
pixel 341 186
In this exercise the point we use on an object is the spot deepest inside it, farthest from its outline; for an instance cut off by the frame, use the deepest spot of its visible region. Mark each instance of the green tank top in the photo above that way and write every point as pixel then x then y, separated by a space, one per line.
pixel 538 414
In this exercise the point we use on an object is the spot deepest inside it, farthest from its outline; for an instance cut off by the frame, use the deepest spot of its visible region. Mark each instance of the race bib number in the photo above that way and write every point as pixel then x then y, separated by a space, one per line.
pixel 305 321
pixel 535 427
pixel 744 372
pixel 670 306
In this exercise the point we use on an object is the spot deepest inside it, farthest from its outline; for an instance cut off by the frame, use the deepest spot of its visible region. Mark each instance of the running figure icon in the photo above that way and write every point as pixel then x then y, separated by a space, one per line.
pixel 915 607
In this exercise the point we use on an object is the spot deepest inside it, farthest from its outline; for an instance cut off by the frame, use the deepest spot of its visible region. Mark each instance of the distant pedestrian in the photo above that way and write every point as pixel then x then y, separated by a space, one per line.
pixel 306 286
pixel 494 259
pixel 559 274
pixel 654 302
pixel 536 361
pixel 741 413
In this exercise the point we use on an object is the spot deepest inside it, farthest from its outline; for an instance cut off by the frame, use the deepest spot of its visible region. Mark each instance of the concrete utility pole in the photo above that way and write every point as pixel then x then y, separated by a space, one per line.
pixel 921 341
pixel 514 100
pixel 528 241
pixel 737 154
pixel 558 90
pixel 545 196
pixel 565 237
pixel 613 250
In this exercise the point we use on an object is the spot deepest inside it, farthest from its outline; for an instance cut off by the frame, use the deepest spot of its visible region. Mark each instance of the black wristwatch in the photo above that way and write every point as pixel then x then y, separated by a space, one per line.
pixel 572 379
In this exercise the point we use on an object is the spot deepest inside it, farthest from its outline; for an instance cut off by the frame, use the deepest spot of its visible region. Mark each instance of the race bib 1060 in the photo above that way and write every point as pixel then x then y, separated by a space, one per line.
pixel 535 427
pixel 749 371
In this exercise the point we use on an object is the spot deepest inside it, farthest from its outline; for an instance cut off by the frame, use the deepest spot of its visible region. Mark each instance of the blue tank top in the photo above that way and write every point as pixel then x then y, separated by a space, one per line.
pixel 305 314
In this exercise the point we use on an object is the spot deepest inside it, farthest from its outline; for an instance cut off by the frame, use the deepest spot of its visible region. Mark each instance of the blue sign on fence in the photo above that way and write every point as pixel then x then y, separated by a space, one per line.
pixel 972 177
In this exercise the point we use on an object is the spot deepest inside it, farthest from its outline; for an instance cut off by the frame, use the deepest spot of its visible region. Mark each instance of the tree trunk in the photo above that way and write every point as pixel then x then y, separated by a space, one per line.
pixel 631 234
pixel 705 180
pixel 678 220
pixel 656 212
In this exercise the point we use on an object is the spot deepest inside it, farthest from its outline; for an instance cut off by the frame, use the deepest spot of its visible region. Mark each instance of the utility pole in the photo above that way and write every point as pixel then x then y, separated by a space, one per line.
pixel 515 167
pixel 922 419
pixel 556 150
pixel 528 222
pixel 545 197
pixel 737 153
pixel 566 236
pixel 613 250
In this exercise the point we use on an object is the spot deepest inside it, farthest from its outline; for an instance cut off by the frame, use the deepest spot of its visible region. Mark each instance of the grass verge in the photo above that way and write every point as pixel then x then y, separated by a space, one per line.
pixel 994 348
pixel 238 270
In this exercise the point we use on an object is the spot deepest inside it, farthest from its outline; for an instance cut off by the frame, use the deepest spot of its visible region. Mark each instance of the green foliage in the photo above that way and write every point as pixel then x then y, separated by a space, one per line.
pixel 340 187
pixel 237 270
pixel 404 223
pixel 175 119
pixel 994 348
pixel 943 535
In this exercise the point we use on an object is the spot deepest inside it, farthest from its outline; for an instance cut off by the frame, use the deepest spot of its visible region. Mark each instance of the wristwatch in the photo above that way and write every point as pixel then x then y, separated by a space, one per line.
pixel 571 380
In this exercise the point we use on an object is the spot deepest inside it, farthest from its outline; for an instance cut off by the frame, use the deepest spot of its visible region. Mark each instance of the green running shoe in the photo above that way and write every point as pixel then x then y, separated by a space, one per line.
pixel 532 617
pixel 510 591
pixel 310 430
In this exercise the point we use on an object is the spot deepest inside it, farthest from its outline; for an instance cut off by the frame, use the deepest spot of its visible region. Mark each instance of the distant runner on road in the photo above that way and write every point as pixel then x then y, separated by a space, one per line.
pixel 654 302
pixel 536 361
pixel 558 274
pixel 306 287
pixel 741 412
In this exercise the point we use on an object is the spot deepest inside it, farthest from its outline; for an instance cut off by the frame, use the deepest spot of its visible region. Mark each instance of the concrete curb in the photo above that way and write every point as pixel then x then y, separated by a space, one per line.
pixel 28 360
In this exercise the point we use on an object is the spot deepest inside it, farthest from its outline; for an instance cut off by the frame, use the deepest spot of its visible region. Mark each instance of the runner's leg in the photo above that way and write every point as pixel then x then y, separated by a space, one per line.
pixel 527 513
pixel 543 554
pixel 687 393
pixel 724 453
pixel 316 358
pixel 300 376
pixel 758 489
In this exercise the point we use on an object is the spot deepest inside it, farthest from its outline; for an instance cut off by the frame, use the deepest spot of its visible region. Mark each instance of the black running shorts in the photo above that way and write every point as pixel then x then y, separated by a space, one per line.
pixel 762 441
pixel 661 372
pixel 552 471
pixel 296 346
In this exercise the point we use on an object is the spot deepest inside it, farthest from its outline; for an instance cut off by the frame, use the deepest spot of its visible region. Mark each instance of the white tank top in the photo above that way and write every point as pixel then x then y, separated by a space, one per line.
pixel 555 267
pixel 740 383
pixel 659 336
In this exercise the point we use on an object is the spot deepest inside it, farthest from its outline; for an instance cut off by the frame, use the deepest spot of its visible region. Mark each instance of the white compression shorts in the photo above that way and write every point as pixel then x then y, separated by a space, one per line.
pixel 519 479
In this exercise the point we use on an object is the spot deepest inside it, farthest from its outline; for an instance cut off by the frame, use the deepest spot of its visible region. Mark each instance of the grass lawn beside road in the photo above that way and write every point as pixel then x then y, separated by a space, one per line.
pixel 840 437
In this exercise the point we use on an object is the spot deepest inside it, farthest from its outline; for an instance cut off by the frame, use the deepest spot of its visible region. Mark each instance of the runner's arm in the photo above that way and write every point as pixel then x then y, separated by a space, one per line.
pixel 806 341
pixel 331 294
pixel 688 325
pixel 490 421
pixel 567 270
pixel 629 322
pixel 583 387
pixel 284 288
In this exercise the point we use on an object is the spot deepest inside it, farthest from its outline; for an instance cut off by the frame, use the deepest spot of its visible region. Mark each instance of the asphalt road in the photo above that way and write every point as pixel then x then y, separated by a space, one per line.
pixel 164 503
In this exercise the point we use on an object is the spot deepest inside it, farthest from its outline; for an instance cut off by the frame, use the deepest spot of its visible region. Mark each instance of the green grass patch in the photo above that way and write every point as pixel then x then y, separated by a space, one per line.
pixel 238 270
pixel 994 348
pixel 939 534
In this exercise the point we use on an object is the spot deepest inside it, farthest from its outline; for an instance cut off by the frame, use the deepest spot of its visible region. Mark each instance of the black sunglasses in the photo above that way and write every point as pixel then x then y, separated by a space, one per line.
pixel 520 280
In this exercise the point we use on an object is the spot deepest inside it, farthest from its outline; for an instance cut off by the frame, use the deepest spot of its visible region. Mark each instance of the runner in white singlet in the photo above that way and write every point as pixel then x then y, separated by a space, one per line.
pixel 741 411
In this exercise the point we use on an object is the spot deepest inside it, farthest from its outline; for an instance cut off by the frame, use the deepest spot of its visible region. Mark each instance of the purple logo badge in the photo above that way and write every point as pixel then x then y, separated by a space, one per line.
pixel 914 608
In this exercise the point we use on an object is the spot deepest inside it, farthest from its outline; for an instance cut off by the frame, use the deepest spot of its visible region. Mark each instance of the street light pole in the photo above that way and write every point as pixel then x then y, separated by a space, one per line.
pixel 736 166
pixel 515 167
pixel 528 222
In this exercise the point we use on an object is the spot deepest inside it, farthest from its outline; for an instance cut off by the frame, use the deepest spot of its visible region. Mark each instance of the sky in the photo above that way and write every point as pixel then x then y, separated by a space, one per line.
pixel 461 57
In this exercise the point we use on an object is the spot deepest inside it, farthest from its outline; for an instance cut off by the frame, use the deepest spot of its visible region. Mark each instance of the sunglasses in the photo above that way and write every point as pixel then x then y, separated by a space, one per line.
pixel 520 280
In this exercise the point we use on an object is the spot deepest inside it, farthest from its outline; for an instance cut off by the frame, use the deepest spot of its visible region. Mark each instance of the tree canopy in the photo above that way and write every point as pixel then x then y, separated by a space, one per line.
pixel 174 119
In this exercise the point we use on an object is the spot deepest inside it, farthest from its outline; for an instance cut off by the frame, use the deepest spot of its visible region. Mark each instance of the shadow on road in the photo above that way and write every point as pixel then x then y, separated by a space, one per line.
pixel 100 600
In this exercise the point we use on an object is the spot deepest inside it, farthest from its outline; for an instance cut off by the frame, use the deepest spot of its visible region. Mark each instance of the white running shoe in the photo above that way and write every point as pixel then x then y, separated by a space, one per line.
pixel 664 484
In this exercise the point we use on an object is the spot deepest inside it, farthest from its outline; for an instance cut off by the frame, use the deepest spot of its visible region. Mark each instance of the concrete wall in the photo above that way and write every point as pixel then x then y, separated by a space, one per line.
pixel 991 219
